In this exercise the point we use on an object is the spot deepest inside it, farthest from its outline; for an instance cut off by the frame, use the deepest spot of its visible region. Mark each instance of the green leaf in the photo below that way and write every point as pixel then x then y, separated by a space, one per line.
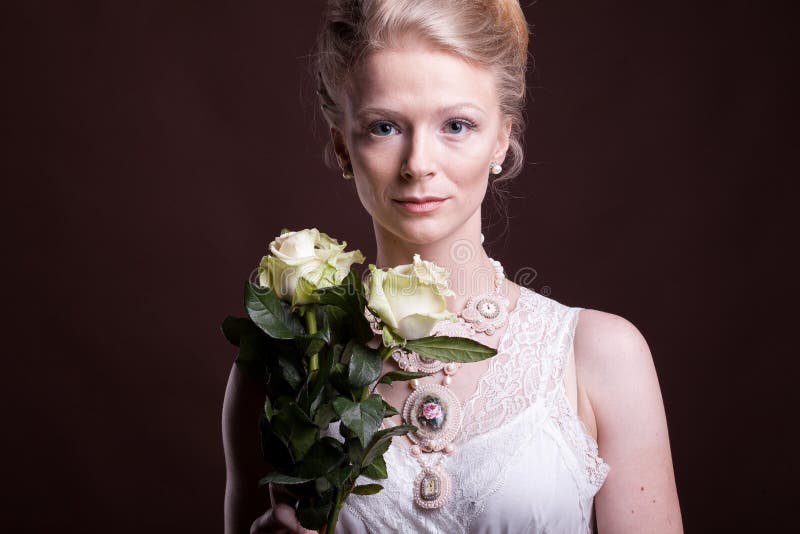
pixel 312 514
pixel 268 409
pixel 280 478
pixel 325 414
pixel 396 376
pixel 338 378
pixel 290 371
pixel 312 344
pixel 450 349
pixel 324 456
pixel 377 469
pixel 367 489
pixel 364 367
pixel 349 296
pixel 355 451
pixel 338 323
pixel 389 410
pixel 323 486
pixel 338 477
pixel 381 441
pixel 275 450
pixel 340 296
pixel 321 386
pixel 251 359
pixel 234 327
pixel 295 429
pixel 362 418
pixel 271 314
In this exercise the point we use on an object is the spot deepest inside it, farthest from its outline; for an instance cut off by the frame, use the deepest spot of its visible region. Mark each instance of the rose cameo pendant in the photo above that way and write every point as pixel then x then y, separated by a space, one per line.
pixel 436 412
pixel 431 487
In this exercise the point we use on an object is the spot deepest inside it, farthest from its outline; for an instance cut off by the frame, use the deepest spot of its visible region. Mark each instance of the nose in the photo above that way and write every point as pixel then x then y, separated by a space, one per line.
pixel 419 162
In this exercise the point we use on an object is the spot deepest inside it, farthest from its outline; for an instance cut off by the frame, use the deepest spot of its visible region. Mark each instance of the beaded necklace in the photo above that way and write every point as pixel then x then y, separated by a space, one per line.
pixel 433 408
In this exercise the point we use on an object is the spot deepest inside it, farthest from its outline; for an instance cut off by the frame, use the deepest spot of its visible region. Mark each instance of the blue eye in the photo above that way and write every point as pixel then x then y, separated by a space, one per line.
pixel 383 129
pixel 457 126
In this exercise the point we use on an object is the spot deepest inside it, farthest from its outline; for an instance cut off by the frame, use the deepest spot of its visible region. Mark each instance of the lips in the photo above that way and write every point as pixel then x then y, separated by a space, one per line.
pixel 420 200
pixel 424 204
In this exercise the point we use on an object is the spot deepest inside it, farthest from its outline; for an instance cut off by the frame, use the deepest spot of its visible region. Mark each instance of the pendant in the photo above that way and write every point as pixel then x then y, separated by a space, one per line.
pixel 431 488
pixel 487 312
pixel 436 412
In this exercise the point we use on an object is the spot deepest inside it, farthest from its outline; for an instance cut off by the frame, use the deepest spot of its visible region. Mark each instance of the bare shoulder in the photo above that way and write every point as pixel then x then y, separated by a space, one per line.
pixel 607 343
pixel 615 369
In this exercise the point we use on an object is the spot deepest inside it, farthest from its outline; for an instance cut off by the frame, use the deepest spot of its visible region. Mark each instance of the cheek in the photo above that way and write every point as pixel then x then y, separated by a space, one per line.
pixel 380 159
pixel 365 194
pixel 470 175
pixel 372 179
pixel 376 167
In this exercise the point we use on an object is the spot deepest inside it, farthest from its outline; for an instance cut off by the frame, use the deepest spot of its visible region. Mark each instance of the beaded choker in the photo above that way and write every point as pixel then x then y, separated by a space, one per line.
pixel 432 407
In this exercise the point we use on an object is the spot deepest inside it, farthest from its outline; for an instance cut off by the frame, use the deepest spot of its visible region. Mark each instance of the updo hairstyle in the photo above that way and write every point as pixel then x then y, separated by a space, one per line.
pixel 492 34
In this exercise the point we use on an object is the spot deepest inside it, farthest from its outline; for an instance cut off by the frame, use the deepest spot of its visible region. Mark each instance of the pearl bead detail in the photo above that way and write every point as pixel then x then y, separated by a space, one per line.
pixel 449 448
pixel 414 383
pixel 415 450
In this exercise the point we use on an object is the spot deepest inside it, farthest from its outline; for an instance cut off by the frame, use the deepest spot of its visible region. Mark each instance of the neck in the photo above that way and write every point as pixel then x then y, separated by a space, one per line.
pixel 461 253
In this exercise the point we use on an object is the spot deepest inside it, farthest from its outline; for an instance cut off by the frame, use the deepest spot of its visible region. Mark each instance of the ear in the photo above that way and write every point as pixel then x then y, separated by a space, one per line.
pixel 503 142
pixel 339 147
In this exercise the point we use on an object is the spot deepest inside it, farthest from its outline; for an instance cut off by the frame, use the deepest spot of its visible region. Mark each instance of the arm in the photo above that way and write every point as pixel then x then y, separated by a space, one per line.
pixel 244 463
pixel 615 367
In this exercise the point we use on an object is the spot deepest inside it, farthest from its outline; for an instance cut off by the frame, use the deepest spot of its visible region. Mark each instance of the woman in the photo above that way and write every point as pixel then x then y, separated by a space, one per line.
pixel 564 429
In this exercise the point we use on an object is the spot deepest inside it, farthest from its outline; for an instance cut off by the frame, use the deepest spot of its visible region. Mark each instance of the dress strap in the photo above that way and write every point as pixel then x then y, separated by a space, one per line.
pixel 577 436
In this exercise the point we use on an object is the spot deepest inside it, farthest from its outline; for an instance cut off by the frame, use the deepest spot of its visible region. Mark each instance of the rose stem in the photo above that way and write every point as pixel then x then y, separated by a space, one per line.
pixel 331 527
pixel 311 325
pixel 384 352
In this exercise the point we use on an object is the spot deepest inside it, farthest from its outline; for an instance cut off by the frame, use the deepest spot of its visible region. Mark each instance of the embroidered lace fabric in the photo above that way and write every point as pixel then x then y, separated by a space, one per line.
pixel 524 461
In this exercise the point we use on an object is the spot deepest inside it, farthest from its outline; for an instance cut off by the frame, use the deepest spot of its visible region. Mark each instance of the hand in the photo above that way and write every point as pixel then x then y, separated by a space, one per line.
pixel 281 517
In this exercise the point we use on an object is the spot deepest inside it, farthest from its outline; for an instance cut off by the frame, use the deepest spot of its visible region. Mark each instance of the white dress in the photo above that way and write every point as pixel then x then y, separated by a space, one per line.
pixel 524 461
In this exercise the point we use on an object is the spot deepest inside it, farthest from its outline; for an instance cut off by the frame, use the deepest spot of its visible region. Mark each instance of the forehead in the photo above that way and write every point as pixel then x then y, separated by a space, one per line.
pixel 418 80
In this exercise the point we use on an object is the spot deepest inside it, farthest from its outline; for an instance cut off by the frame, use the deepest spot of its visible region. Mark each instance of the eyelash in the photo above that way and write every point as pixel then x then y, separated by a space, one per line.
pixel 468 123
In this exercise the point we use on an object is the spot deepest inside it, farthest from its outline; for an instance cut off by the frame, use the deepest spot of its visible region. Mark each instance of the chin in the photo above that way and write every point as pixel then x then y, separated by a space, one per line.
pixel 422 233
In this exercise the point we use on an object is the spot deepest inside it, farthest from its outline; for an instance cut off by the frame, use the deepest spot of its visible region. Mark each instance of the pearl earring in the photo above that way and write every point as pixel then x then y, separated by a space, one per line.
pixel 346 174
pixel 495 167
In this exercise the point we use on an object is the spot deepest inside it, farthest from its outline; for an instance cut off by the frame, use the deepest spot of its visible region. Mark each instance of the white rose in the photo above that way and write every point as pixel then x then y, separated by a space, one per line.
pixel 409 299
pixel 300 262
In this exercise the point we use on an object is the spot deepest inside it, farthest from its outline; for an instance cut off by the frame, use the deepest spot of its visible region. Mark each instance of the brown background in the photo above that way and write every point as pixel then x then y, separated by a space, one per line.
pixel 153 149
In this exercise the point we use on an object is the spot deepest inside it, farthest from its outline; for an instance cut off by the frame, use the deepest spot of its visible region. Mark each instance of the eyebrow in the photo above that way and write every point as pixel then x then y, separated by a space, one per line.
pixel 445 109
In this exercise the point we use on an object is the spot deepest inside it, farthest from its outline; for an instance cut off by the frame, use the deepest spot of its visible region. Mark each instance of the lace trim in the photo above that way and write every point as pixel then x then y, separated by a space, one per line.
pixel 595 469
pixel 582 442
pixel 478 416
pixel 530 364
pixel 528 372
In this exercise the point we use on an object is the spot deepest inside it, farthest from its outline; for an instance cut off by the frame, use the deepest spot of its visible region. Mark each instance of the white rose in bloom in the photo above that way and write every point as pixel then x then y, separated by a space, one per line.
pixel 410 298
pixel 300 262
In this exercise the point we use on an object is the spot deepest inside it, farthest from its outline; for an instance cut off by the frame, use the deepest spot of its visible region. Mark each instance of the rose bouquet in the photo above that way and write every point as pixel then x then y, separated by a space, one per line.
pixel 307 334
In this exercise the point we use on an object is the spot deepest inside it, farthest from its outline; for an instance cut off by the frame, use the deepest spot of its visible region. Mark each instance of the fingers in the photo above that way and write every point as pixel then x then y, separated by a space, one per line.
pixel 281 519
pixel 285 515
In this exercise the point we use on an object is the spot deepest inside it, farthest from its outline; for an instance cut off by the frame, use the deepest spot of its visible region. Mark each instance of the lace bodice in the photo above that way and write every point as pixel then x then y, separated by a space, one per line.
pixel 524 461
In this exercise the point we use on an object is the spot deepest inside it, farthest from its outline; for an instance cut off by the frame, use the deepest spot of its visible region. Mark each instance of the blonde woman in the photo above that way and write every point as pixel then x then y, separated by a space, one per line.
pixel 564 430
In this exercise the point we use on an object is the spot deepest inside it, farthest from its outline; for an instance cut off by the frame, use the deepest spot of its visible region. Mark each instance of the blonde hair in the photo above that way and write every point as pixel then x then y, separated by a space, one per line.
pixel 492 34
